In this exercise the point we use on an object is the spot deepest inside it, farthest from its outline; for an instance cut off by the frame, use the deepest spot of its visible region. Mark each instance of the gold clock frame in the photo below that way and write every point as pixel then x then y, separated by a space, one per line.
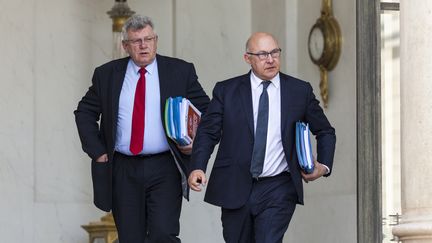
pixel 329 26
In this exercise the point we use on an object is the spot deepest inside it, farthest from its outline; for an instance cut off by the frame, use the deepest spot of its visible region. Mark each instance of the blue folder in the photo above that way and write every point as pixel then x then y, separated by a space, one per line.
pixel 304 147
pixel 172 120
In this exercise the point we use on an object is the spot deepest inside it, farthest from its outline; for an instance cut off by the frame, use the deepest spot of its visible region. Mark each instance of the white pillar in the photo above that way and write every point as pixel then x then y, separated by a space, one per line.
pixel 416 121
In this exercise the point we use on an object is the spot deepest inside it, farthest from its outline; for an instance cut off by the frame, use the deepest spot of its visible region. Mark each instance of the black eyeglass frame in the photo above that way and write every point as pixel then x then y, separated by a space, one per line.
pixel 263 55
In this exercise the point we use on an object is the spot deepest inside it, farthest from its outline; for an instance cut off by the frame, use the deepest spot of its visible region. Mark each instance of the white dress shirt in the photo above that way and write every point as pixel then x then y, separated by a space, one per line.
pixel 154 136
pixel 274 161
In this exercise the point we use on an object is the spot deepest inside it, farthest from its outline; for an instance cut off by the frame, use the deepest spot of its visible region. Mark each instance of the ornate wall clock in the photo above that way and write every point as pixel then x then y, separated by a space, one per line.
pixel 324 45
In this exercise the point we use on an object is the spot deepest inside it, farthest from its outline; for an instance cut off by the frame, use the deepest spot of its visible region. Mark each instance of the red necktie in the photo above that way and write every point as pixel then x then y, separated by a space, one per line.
pixel 138 115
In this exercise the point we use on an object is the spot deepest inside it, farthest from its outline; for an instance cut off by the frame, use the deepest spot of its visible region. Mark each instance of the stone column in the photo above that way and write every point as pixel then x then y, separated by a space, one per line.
pixel 416 122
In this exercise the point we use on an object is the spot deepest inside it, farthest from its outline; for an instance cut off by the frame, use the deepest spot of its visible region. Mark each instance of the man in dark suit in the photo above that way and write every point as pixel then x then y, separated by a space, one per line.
pixel 137 171
pixel 256 178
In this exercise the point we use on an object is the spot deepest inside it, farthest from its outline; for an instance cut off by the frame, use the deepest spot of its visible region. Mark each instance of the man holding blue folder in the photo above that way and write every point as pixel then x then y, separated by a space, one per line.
pixel 256 178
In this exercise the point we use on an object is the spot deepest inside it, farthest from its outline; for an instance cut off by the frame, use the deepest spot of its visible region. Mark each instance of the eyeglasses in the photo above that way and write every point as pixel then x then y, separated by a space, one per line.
pixel 146 40
pixel 263 55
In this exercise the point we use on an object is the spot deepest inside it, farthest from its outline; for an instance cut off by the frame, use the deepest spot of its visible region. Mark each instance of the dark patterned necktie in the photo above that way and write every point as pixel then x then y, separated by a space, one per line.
pixel 259 149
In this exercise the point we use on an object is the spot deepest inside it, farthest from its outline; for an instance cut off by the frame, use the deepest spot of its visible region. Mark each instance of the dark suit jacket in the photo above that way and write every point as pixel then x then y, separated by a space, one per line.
pixel 229 119
pixel 176 77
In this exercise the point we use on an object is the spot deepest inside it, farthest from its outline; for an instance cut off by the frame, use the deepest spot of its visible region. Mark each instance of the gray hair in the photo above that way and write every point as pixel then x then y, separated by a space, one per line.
pixel 136 22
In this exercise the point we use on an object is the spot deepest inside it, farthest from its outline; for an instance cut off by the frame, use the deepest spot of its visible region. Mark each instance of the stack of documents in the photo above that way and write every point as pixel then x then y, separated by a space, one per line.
pixel 181 120
pixel 304 148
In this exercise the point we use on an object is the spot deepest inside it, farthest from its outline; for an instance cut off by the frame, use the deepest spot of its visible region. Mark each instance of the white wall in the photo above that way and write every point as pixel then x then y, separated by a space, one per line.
pixel 212 35
pixel 329 213
pixel 16 123
pixel 49 51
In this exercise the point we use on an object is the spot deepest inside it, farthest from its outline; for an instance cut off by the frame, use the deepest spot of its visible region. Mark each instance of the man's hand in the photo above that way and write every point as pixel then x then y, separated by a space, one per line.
pixel 102 159
pixel 319 170
pixel 197 178
pixel 185 149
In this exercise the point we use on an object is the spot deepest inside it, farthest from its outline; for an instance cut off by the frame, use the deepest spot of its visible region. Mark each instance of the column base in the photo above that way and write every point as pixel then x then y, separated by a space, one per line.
pixel 414 232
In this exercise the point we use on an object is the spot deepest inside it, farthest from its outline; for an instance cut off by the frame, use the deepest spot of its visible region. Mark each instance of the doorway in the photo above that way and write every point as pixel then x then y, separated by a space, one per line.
pixel 376 176
pixel 390 122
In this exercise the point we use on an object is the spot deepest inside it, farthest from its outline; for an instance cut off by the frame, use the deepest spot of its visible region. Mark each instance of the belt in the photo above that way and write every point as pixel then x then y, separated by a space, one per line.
pixel 265 178
pixel 143 156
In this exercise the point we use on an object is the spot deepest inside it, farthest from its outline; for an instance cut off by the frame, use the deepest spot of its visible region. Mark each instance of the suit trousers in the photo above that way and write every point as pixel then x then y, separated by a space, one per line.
pixel 266 215
pixel 147 198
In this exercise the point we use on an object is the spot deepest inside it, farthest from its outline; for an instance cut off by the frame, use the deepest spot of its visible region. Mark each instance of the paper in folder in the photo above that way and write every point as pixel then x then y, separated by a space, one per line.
pixel 304 147
pixel 181 120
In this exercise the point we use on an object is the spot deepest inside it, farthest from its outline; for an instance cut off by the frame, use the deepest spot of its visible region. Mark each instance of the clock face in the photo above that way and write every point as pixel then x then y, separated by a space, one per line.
pixel 316 43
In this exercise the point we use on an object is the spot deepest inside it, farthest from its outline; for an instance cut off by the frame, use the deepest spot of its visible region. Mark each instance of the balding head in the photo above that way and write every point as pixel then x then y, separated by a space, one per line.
pixel 262 53
pixel 256 37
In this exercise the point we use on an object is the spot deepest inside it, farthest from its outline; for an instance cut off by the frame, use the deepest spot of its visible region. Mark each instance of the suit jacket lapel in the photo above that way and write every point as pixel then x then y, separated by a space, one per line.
pixel 164 83
pixel 284 101
pixel 287 100
pixel 119 73
pixel 246 98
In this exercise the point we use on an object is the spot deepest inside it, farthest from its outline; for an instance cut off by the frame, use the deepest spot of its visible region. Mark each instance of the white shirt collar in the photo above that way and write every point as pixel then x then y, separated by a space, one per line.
pixel 255 81
pixel 149 68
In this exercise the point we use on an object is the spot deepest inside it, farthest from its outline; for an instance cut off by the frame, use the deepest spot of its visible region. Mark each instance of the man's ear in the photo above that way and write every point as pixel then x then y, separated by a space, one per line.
pixel 246 58
pixel 124 45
